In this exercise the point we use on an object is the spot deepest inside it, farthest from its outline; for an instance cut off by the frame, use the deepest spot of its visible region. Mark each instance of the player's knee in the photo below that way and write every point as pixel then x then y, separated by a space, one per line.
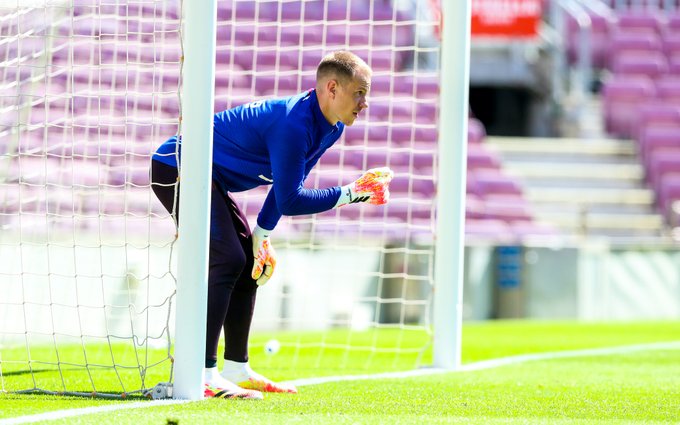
pixel 226 265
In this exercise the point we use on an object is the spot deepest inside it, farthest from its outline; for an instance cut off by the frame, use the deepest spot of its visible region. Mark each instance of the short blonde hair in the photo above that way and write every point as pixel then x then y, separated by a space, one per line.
pixel 342 64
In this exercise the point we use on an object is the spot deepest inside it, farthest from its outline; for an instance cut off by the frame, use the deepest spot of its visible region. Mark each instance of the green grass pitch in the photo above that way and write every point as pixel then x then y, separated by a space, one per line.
pixel 639 387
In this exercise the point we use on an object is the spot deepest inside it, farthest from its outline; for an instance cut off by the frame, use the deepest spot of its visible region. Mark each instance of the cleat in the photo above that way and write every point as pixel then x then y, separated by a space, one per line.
pixel 242 375
pixel 267 386
pixel 214 392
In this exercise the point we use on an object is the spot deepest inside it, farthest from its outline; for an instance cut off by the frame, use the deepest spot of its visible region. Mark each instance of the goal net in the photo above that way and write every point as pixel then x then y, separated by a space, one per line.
pixel 89 89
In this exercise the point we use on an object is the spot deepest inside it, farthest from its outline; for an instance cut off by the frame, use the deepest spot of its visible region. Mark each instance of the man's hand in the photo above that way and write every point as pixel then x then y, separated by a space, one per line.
pixel 372 187
pixel 264 255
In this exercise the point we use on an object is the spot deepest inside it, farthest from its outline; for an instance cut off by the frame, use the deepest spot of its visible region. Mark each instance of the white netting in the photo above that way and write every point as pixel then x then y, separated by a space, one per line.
pixel 89 89
pixel 360 276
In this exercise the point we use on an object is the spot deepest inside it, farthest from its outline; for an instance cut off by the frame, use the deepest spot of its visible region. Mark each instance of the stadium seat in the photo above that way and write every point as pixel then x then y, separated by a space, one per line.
pixel 674 66
pixel 640 20
pixel 655 138
pixel 474 206
pixel 649 64
pixel 669 192
pixel 655 112
pixel 508 208
pixel 671 44
pixel 406 184
pixel 662 162
pixel 478 156
pixel 634 43
pixel 668 88
pixel 385 110
pixel 268 85
pixel 621 97
pixel 673 22
pixel 489 181
pixel 426 112
pixel 406 210
pixel 476 130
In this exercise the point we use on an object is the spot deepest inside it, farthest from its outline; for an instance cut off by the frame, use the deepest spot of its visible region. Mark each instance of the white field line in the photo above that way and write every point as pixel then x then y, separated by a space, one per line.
pixel 69 413
pixel 494 363
pixel 482 365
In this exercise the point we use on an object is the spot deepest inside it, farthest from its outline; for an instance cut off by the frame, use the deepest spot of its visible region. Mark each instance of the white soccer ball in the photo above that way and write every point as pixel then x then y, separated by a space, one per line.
pixel 272 346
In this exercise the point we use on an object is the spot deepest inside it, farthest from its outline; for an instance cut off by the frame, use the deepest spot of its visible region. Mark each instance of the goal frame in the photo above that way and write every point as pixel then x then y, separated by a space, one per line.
pixel 452 146
pixel 198 96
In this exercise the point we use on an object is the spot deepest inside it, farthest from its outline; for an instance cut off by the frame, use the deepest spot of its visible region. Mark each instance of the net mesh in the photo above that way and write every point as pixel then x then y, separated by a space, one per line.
pixel 86 90
pixel 89 89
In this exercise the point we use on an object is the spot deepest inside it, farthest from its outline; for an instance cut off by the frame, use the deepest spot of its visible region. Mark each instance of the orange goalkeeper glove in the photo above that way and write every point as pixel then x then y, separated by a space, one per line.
pixel 264 255
pixel 373 187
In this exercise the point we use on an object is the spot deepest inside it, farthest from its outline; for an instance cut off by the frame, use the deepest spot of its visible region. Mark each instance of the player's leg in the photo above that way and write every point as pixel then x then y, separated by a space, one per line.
pixel 240 316
pixel 226 263
pixel 166 187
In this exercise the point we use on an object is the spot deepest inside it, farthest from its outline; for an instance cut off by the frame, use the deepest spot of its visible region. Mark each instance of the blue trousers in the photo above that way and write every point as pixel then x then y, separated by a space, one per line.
pixel 231 290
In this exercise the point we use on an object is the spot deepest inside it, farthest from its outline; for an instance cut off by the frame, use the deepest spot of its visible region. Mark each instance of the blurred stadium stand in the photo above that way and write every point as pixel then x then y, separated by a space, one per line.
pixel 615 174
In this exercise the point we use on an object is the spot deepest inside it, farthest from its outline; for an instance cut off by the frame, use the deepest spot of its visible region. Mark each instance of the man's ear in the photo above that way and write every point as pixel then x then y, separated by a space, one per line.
pixel 331 87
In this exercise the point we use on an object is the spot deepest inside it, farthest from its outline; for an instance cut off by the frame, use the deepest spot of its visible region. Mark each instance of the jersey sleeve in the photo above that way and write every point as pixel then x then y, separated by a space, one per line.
pixel 288 149
pixel 269 214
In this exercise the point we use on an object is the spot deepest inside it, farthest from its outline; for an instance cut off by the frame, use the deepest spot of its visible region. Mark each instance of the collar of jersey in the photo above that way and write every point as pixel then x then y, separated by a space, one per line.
pixel 326 127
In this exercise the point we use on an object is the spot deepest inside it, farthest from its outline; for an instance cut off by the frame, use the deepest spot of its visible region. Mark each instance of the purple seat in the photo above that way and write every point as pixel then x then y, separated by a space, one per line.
pixel 476 131
pixel 388 110
pixel 479 157
pixel 669 192
pixel 372 158
pixel 658 137
pixel 668 88
pixel 420 86
pixel 631 42
pixel 355 134
pixel 267 85
pixel 471 186
pixel 426 112
pixel 426 135
pixel 640 20
pixel 661 163
pixel 508 208
pixel 674 65
pixel 671 44
pixel 621 97
pixel 673 23
pixel 316 9
pixel 423 160
pixel 291 11
pixel 655 113
pixel 406 210
pixel 496 182
pixel 650 64
pixel 406 184
pixel 245 10
pixel 474 206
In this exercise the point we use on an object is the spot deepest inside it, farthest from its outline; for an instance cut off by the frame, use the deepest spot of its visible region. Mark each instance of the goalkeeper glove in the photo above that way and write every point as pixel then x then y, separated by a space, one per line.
pixel 264 255
pixel 372 187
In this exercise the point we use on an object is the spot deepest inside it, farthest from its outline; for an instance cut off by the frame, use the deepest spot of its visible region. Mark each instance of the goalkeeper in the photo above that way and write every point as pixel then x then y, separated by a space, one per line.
pixel 274 142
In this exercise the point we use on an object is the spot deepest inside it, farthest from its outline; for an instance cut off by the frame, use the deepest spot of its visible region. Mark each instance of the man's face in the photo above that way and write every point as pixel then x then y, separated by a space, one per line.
pixel 350 98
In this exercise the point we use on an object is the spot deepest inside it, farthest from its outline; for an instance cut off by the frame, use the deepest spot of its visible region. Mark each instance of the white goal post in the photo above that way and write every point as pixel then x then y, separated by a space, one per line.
pixel 450 246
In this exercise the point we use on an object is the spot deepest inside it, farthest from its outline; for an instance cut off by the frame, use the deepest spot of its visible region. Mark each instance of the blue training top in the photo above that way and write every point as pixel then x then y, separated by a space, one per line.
pixel 277 142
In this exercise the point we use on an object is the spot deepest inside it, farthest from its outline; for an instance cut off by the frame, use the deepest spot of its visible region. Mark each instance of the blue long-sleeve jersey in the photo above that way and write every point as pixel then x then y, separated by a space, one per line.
pixel 274 142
